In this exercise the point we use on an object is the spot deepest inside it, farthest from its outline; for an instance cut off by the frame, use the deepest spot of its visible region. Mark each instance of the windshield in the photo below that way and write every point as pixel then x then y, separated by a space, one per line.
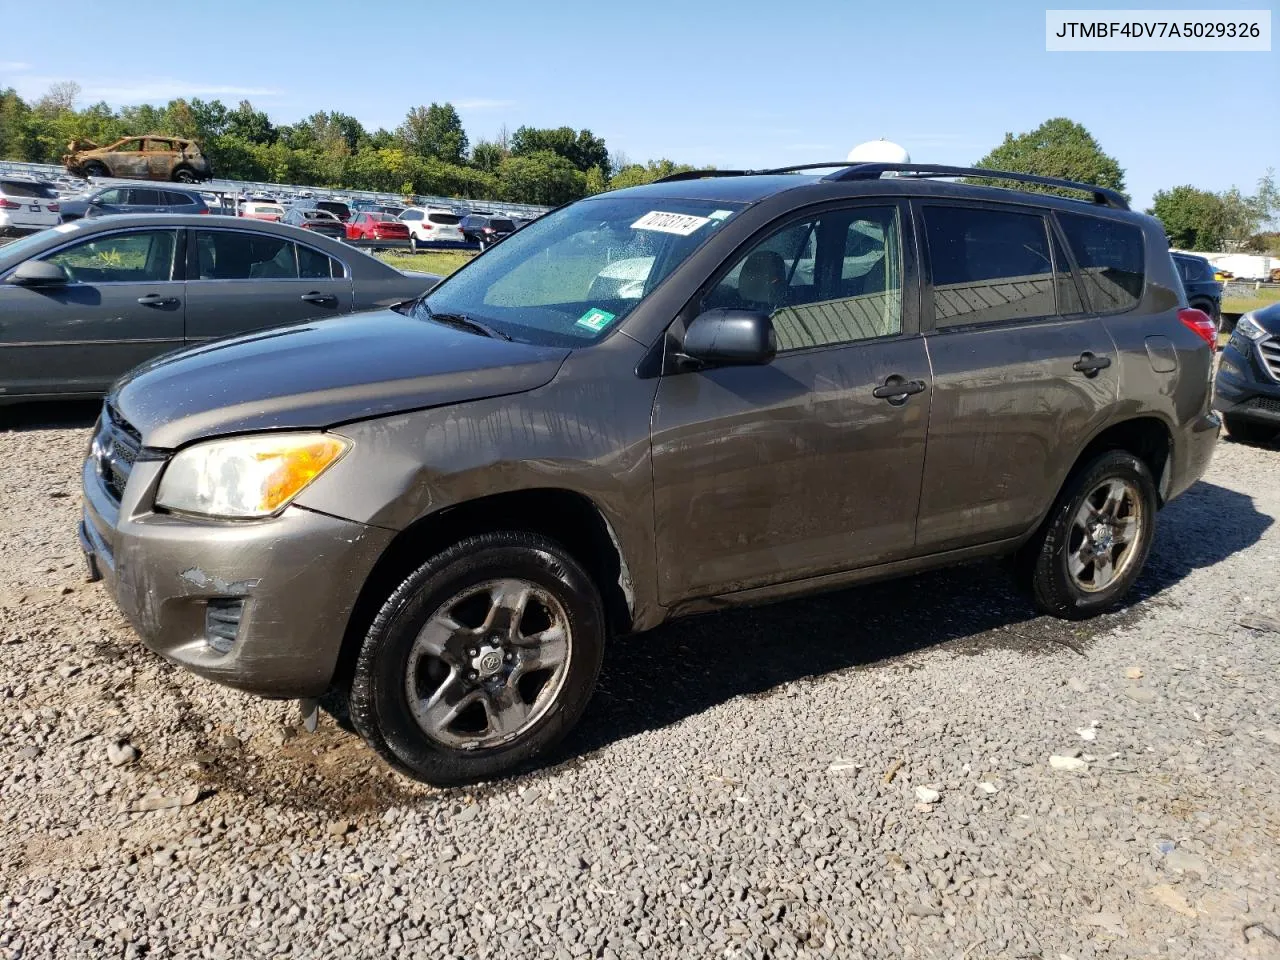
pixel 568 278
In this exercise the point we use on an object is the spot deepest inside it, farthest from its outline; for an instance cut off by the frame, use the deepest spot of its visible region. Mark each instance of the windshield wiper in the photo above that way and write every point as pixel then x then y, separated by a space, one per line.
pixel 461 321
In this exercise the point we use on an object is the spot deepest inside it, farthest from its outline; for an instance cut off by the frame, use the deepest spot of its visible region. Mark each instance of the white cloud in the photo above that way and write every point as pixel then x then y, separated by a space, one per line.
pixel 480 103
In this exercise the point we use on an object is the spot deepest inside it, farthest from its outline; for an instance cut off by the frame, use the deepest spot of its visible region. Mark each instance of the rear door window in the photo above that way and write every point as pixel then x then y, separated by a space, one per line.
pixel 144 198
pixel 314 265
pixel 1110 255
pixel 236 255
pixel 988 265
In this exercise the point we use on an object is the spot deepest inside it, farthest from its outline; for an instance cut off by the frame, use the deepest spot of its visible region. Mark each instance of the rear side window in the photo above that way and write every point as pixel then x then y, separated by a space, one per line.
pixel 314 265
pixel 231 255
pixel 1110 256
pixel 988 265
pixel 144 198
pixel 22 188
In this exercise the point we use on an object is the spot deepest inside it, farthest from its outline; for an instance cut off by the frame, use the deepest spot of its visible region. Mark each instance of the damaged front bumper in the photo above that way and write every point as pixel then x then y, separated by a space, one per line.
pixel 261 606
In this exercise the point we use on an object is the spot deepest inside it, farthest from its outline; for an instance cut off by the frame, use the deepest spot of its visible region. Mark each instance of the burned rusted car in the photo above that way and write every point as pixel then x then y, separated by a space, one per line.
pixel 153 157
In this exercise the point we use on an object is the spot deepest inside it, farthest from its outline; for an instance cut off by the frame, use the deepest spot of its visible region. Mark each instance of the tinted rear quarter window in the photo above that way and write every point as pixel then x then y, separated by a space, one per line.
pixel 988 265
pixel 1110 255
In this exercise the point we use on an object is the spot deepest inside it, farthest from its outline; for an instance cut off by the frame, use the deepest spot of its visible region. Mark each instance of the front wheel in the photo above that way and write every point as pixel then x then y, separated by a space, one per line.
pixel 480 661
pixel 184 175
pixel 1096 538
pixel 95 169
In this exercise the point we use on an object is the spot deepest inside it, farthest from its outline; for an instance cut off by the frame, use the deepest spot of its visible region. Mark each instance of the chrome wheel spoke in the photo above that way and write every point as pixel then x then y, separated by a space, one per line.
pixel 545 650
pixel 438 638
pixel 1115 497
pixel 1126 530
pixel 1104 571
pixel 438 713
pixel 507 599
pixel 506 710
pixel 1077 564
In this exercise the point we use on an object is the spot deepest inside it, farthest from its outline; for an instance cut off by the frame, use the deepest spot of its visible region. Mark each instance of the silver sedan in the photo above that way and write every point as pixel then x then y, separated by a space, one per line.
pixel 82 303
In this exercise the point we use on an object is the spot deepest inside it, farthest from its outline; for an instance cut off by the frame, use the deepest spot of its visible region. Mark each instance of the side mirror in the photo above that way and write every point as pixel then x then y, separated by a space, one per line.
pixel 730 338
pixel 38 273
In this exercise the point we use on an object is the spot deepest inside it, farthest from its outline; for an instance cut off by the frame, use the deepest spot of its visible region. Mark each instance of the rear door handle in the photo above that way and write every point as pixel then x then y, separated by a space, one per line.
pixel 1089 364
pixel 326 299
pixel 155 300
pixel 896 389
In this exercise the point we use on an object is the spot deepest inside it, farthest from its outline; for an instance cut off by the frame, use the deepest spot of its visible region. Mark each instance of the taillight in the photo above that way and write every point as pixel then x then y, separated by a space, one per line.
pixel 53 208
pixel 9 204
pixel 1199 323
pixel 426 226
pixel 205 210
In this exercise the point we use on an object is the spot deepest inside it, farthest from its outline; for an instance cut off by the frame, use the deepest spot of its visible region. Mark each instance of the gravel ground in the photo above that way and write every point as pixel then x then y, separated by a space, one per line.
pixel 918 769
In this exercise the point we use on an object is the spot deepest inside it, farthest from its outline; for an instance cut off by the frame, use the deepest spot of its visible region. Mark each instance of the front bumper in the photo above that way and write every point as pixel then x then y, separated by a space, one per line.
pixel 1243 389
pixel 296 578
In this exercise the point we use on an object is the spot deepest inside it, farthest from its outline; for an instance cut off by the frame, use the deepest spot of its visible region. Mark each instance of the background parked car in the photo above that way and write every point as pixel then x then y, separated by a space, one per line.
pixel 429 226
pixel 336 207
pixel 318 221
pixel 1203 291
pixel 485 228
pixel 26 204
pixel 112 200
pixel 376 226
pixel 83 304
pixel 376 206
pixel 267 210
pixel 153 157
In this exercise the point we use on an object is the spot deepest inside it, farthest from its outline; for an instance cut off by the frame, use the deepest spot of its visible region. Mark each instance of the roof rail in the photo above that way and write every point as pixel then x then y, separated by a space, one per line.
pixel 699 174
pixel 872 171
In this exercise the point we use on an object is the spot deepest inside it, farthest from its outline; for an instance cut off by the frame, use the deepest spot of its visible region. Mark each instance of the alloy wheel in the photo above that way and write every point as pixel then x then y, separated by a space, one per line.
pixel 1105 534
pixel 488 664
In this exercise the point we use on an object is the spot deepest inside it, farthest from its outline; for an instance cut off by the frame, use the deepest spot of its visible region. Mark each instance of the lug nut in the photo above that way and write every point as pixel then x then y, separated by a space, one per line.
pixel 472 652
pixel 472 675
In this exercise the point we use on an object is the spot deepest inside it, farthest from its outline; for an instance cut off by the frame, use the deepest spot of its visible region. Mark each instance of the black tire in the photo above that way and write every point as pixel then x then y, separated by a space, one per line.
pixel 184 175
pixel 1248 431
pixel 95 169
pixel 413 243
pixel 378 699
pixel 1043 563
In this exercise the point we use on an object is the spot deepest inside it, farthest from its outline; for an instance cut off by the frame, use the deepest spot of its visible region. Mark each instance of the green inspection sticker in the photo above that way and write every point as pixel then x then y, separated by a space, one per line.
pixel 596 319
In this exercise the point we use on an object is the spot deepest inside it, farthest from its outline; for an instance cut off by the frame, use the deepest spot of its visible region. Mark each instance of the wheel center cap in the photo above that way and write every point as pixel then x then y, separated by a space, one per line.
pixel 487 662
pixel 1102 537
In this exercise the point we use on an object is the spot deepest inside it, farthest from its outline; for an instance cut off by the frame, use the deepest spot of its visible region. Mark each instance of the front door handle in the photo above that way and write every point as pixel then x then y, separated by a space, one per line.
pixel 155 300
pixel 1089 364
pixel 896 389
pixel 326 299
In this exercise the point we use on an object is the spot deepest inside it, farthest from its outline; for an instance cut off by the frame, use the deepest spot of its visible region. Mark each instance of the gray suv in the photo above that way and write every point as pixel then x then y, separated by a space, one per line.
pixel 719 389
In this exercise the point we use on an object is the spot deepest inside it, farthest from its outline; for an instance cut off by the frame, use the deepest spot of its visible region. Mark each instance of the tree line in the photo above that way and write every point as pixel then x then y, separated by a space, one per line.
pixel 428 154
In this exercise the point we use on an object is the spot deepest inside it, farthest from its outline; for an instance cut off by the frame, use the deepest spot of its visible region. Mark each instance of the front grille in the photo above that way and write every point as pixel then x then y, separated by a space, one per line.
pixel 115 448
pixel 1269 351
pixel 1265 403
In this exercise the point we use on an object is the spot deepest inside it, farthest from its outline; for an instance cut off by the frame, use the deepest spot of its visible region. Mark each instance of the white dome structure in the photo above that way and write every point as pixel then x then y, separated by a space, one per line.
pixel 879 151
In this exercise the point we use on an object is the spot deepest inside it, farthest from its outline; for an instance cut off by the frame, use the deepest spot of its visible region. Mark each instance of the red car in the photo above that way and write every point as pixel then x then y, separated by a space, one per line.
pixel 376 226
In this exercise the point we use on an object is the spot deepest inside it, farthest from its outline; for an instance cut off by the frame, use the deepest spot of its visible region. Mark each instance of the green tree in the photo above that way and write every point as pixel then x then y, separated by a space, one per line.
pixel 583 149
pixel 543 177
pixel 1193 219
pixel 637 174
pixel 596 182
pixel 435 132
pixel 487 155
pixel 249 124
pixel 1057 148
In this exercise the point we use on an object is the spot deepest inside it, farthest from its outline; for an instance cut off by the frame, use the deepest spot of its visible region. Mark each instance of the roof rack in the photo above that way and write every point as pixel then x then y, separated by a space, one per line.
pixel 873 171
pixel 699 174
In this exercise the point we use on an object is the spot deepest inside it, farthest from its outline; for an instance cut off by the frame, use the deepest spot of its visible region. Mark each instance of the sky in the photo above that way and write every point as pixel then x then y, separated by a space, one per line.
pixel 731 84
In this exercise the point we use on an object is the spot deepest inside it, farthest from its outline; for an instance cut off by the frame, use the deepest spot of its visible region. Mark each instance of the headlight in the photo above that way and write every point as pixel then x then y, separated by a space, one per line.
pixel 1248 327
pixel 247 477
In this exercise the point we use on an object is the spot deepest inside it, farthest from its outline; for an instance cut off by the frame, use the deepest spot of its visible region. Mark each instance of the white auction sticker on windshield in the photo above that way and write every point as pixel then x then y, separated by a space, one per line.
pixel 682 224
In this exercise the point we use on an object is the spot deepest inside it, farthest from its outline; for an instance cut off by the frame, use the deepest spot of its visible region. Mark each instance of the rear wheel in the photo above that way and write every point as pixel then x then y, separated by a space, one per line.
pixel 95 169
pixel 1247 431
pixel 1095 541
pixel 184 175
pixel 480 661
pixel 413 242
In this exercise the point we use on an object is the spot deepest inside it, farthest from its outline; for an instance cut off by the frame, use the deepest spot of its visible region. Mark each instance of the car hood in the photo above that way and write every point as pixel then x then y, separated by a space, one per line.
pixel 1268 318
pixel 315 375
